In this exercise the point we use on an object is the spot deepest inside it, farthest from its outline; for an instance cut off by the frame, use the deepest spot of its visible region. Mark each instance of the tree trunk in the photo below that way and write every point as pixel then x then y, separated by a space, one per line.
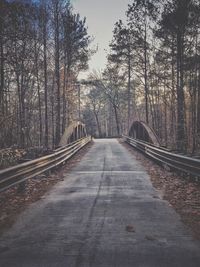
pixel 181 138
pixel 65 84
pixel 98 124
pixel 21 113
pixel 198 110
pixel 116 119
pixel 145 73
pixel 173 101
pixel 52 114
pixel 39 107
pixel 129 88
pixel 57 72
pixel 1 66
pixel 46 131
pixel 38 92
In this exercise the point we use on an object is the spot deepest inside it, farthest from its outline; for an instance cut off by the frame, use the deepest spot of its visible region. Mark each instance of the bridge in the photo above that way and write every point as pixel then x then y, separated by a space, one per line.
pixel 141 137
pixel 105 212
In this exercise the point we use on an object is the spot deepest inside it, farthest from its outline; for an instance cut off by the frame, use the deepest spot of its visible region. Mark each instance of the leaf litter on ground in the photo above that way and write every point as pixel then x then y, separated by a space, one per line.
pixel 12 203
pixel 180 192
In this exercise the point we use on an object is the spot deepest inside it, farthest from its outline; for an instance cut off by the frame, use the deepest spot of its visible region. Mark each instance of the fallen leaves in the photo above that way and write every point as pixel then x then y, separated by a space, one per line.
pixel 12 203
pixel 181 193
pixel 10 157
pixel 130 228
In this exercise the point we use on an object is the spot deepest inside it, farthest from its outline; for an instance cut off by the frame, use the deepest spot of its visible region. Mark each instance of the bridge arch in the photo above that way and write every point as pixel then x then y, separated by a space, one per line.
pixel 142 131
pixel 76 130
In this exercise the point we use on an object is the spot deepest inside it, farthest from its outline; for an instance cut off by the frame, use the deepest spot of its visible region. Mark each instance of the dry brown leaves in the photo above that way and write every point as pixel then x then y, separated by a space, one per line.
pixel 10 157
pixel 130 228
pixel 12 202
pixel 182 193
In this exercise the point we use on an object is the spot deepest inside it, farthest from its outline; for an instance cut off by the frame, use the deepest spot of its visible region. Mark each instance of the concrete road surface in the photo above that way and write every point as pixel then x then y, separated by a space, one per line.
pixel 104 214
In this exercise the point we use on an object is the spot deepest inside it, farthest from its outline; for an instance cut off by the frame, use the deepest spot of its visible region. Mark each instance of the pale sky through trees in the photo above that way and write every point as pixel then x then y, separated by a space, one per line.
pixel 101 16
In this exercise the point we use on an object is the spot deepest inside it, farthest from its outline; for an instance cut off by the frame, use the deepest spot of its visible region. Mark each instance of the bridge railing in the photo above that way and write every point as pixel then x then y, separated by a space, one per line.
pixel 176 161
pixel 21 172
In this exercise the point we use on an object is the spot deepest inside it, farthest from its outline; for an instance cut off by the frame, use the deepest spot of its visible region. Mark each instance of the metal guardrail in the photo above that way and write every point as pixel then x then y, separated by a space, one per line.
pixel 21 172
pixel 176 161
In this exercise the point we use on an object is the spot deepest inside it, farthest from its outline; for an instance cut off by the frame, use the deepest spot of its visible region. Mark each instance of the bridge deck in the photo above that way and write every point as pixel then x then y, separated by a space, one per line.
pixel 104 214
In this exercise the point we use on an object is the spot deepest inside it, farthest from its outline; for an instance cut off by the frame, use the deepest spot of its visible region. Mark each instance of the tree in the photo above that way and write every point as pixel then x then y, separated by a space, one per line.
pixel 97 101
pixel 177 22
pixel 139 16
pixel 122 53
pixel 44 26
pixel 75 43
pixel 38 40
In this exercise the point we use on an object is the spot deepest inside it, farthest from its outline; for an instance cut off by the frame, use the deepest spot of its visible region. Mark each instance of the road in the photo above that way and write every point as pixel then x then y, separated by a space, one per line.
pixel 105 213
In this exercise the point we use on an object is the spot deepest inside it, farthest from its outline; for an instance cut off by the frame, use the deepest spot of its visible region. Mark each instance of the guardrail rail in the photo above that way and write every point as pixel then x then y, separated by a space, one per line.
pixel 179 162
pixel 21 172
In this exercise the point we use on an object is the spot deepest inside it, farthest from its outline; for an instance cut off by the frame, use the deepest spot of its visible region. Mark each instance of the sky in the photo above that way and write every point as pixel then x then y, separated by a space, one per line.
pixel 101 15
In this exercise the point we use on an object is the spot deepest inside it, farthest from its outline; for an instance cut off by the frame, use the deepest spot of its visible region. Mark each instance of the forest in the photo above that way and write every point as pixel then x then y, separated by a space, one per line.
pixel 43 47
pixel 152 73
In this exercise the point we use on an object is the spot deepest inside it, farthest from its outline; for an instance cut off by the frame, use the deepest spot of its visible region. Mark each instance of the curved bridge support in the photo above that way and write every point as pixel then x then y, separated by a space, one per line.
pixel 75 131
pixel 140 130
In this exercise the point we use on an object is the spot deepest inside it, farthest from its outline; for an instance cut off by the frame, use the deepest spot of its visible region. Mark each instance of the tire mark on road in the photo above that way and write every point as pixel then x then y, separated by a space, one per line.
pixel 89 222
pixel 98 234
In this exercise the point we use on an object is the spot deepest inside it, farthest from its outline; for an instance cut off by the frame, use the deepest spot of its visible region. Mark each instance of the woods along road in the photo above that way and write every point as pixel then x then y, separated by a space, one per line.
pixel 105 213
